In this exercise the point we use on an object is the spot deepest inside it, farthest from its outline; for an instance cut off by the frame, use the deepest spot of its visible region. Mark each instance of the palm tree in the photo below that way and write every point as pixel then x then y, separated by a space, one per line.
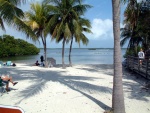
pixel 64 14
pixel 37 18
pixel 131 13
pixel 12 15
pixel 131 19
pixel 9 10
pixel 135 33
pixel 58 27
pixel 81 26
pixel 117 97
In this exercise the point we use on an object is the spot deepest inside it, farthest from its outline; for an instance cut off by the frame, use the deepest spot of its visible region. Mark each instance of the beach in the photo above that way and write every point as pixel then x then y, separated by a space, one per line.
pixel 85 88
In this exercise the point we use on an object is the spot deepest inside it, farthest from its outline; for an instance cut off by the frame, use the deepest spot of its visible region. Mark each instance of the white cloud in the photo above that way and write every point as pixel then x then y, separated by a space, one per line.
pixel 101 29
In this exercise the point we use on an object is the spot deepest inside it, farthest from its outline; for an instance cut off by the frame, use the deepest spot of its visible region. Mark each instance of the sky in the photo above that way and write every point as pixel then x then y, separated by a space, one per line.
pixel 100 16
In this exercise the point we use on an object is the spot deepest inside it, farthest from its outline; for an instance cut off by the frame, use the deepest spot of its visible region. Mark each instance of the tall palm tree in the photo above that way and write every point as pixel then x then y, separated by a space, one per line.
pixel 117 97
pixel 64 13
pixel 58 25
pixel 82 25
pixel 12 15
pixel 37 18
pixel 136 23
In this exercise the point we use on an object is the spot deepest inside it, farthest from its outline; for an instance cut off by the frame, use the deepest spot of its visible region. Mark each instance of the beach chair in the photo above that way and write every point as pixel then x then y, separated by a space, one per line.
pixel 10 109
pixel 2 86
pixel 51 62
pixel 8 63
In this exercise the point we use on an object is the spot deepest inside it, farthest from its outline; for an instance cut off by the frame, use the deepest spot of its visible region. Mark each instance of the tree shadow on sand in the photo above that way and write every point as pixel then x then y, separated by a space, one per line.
pixel 99 68
pixel 76 83
pixel 134 86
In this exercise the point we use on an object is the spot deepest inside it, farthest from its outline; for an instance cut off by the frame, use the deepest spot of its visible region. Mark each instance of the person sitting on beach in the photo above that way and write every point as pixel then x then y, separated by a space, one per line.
pixel 37 63
pixel 141 55
pixel 6 79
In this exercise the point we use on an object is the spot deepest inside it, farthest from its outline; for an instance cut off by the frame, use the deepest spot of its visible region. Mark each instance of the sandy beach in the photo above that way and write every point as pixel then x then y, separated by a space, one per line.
pixel 77 89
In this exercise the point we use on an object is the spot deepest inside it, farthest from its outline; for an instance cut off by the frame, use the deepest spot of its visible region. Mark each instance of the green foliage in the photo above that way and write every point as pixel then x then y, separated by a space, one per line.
pixel 137 25
pixel 129 52
pixel 132 51
pixel 9 46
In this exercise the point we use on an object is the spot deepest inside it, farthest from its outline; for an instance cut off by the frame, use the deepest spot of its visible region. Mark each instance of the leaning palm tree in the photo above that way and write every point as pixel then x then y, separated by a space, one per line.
pixel 80 26
pixel 36 19
pixel 64 12
pixel 12 15
pixel 117 97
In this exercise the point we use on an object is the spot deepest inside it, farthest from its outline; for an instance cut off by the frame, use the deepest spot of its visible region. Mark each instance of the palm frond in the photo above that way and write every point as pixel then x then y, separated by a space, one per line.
pixel 2 24
pixel 8 11
pixel 21 26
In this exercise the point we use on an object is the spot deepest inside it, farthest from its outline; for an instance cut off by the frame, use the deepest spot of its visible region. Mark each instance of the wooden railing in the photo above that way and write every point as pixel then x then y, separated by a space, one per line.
pixel 143 69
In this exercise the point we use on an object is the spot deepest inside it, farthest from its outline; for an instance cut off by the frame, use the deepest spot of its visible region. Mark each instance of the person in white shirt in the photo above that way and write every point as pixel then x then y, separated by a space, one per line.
pixel 141 55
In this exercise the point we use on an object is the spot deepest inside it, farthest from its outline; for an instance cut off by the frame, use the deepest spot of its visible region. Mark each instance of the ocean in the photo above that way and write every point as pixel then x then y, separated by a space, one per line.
pixel 78 56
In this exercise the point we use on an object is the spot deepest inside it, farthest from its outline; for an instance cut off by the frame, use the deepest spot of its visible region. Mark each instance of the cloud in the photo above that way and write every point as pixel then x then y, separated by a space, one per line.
pixel 101 29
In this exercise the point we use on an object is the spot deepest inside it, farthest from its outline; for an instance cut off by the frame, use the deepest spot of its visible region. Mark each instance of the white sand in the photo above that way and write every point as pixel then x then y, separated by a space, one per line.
pixel 77 89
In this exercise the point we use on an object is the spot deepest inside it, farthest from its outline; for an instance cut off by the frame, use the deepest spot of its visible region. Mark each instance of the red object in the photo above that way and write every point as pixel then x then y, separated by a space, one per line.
pixel 10 109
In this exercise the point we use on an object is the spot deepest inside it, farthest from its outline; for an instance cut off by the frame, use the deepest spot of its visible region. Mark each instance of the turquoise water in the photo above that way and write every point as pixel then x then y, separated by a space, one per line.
pixel 79 56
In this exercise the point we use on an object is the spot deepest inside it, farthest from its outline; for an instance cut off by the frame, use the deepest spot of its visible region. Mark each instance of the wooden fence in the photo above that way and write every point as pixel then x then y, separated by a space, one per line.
pixel 133 63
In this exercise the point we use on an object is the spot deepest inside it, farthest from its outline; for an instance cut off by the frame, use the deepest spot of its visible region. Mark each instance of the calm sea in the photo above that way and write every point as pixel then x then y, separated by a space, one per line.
pixel 79 56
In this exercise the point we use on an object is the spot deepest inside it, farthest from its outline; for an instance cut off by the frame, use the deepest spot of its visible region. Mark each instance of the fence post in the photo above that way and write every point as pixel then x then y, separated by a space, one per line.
pixel 146 67
pixel 138 65
pixel 128 62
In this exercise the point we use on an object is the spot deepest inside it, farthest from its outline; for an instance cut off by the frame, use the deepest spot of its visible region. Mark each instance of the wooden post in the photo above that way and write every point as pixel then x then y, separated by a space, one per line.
pixel 128 62
pixel 146 68
pixel 138 65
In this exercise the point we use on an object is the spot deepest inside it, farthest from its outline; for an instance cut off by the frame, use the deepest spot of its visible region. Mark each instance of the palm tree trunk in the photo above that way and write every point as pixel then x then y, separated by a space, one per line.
pixel 117 97
pixel 45 55
pixel 45 52
pixel 63 48
pixel 70 63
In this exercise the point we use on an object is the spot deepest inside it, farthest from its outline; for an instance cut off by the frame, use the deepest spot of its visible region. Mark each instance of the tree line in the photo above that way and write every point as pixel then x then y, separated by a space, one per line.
pixel 9 46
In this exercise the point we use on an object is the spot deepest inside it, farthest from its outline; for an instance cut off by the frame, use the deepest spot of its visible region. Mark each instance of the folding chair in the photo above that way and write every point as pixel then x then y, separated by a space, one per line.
pixel 2 86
